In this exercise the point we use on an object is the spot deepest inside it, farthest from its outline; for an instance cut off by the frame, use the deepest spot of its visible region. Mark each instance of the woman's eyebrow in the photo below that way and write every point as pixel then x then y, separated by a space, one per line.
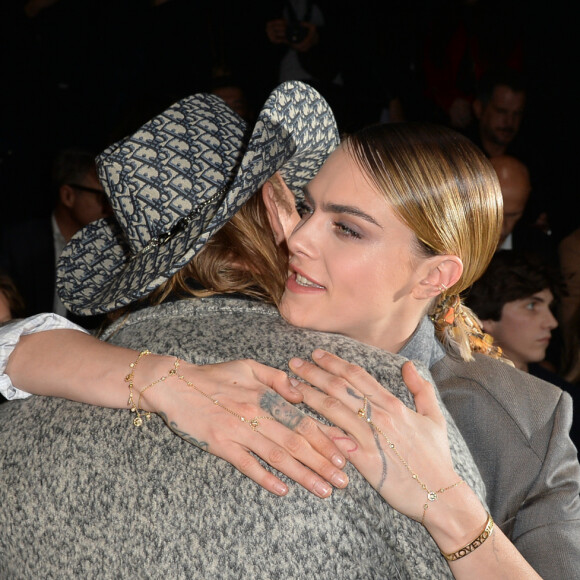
pixel 340 208
pixel 351 210
pixel 539 298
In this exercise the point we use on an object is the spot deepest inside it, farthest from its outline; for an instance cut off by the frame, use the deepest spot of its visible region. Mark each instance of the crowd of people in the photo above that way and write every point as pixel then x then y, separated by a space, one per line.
pixel 474 66
pixel 86 73
pixel 413 150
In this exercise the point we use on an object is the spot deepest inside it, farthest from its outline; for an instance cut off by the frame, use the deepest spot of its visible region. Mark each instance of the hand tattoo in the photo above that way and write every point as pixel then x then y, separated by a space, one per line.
pixel 186 436
pixel 380 449
pixel 281 410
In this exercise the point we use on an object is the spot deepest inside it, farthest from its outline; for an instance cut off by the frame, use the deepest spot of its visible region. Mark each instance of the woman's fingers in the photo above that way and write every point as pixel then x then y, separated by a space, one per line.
pixel 301 437
pixel 288 450
pixel 299 461
pixel 231 411
pixel 250 387
pixel 326 379
pixel 280 459
pixel 344 441
pixel 347 382
pixel 337 412
pixel 275 379
pixel 222 435
pixel 353 374
pixel 388 441
pixel 299 428
pixel 310 430
pixel 423 392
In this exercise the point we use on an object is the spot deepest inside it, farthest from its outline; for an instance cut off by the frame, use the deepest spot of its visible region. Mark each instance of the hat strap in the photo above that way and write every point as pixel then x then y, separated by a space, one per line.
pixel 181 224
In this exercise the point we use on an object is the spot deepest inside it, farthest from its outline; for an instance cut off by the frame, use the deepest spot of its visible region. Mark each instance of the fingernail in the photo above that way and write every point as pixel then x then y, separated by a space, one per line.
pixel 338 460
pixel 339 479
pixel 322 489
pixel 318 354
pixel 296 362
pixel 280 488
pixel 294 382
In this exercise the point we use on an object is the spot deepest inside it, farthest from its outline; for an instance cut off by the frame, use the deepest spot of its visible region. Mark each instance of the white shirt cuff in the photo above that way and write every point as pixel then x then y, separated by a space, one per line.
pixel 10 334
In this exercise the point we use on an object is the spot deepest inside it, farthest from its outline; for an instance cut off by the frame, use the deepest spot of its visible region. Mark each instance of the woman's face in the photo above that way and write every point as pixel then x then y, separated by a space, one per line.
pixel 351 267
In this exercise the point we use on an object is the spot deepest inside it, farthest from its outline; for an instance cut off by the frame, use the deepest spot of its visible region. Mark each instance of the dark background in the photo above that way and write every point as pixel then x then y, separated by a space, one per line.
pixel 87 72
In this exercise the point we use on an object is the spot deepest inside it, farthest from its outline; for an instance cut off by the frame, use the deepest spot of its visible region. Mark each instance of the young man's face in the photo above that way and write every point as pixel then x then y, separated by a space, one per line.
pixel 525 328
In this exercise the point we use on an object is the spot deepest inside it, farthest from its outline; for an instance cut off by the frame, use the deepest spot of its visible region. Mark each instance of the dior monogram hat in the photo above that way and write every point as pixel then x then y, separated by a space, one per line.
pixel 179 179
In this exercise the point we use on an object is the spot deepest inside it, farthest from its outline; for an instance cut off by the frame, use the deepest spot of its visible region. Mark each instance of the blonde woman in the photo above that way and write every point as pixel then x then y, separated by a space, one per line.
pixel 398 222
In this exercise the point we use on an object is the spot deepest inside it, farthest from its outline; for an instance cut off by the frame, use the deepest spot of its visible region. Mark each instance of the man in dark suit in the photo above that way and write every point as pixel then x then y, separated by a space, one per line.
pixel 517 233
pixel 30 249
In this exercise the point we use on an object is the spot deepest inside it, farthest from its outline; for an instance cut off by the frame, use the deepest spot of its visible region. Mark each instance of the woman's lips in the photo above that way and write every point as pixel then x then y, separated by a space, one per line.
pixel 301 284
pixel 304 281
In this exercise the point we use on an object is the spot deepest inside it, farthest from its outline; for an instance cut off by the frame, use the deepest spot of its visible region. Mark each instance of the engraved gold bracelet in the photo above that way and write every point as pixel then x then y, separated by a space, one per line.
pixel 472 546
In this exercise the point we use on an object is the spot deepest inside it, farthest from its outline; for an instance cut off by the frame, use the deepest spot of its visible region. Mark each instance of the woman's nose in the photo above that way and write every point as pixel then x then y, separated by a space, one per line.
pixel 303 239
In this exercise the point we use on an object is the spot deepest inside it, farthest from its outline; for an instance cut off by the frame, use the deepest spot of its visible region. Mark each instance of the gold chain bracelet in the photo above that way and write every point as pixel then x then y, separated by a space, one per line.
pixel 431 495
pixel 136 408
pixel 138 421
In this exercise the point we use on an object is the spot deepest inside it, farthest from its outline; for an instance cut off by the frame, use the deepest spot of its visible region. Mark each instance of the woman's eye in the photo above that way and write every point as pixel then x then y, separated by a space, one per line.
pixel 303 209
pixel 346 231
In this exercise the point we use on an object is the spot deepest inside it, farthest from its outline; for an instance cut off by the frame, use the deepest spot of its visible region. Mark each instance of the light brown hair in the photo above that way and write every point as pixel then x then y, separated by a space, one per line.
pixel 242 257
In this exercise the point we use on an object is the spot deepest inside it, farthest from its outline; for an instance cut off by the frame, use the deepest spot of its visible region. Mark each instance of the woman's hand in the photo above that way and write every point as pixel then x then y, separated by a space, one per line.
pixel 395 448
pixel 349 397
pixel 284 437
pixel 77 366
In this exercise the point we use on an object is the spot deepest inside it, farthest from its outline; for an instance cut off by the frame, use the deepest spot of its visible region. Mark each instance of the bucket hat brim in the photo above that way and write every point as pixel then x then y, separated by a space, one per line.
pixel 179 179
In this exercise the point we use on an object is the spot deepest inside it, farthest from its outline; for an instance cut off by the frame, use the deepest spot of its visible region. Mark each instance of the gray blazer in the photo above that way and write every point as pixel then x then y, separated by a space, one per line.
pixel 87 495
pixel 517 428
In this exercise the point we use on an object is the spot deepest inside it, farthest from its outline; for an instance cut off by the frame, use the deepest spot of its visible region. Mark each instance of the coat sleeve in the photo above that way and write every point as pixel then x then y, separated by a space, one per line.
pixel 517 428
pixel 547 526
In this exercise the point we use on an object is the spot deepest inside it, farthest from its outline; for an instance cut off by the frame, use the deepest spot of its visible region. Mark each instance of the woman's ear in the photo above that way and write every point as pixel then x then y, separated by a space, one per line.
pixel 441 272
pixel 282 219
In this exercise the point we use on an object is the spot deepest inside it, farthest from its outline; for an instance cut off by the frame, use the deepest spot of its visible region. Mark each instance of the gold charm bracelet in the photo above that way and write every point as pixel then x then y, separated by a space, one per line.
pixel 136 408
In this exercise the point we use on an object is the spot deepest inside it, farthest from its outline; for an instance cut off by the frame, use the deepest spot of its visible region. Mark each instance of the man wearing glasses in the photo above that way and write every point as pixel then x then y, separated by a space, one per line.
pixel 30 249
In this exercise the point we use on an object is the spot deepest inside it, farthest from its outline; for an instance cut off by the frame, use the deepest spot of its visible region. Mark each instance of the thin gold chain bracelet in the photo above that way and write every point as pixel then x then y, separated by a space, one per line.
pixel 136 407
pixel 432 495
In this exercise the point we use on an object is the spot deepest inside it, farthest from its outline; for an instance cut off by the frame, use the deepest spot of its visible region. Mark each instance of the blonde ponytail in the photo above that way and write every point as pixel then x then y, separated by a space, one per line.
pixel 458 328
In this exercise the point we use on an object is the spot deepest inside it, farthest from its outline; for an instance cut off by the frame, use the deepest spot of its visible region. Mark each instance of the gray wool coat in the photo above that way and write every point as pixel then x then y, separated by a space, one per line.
pixel 87 495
